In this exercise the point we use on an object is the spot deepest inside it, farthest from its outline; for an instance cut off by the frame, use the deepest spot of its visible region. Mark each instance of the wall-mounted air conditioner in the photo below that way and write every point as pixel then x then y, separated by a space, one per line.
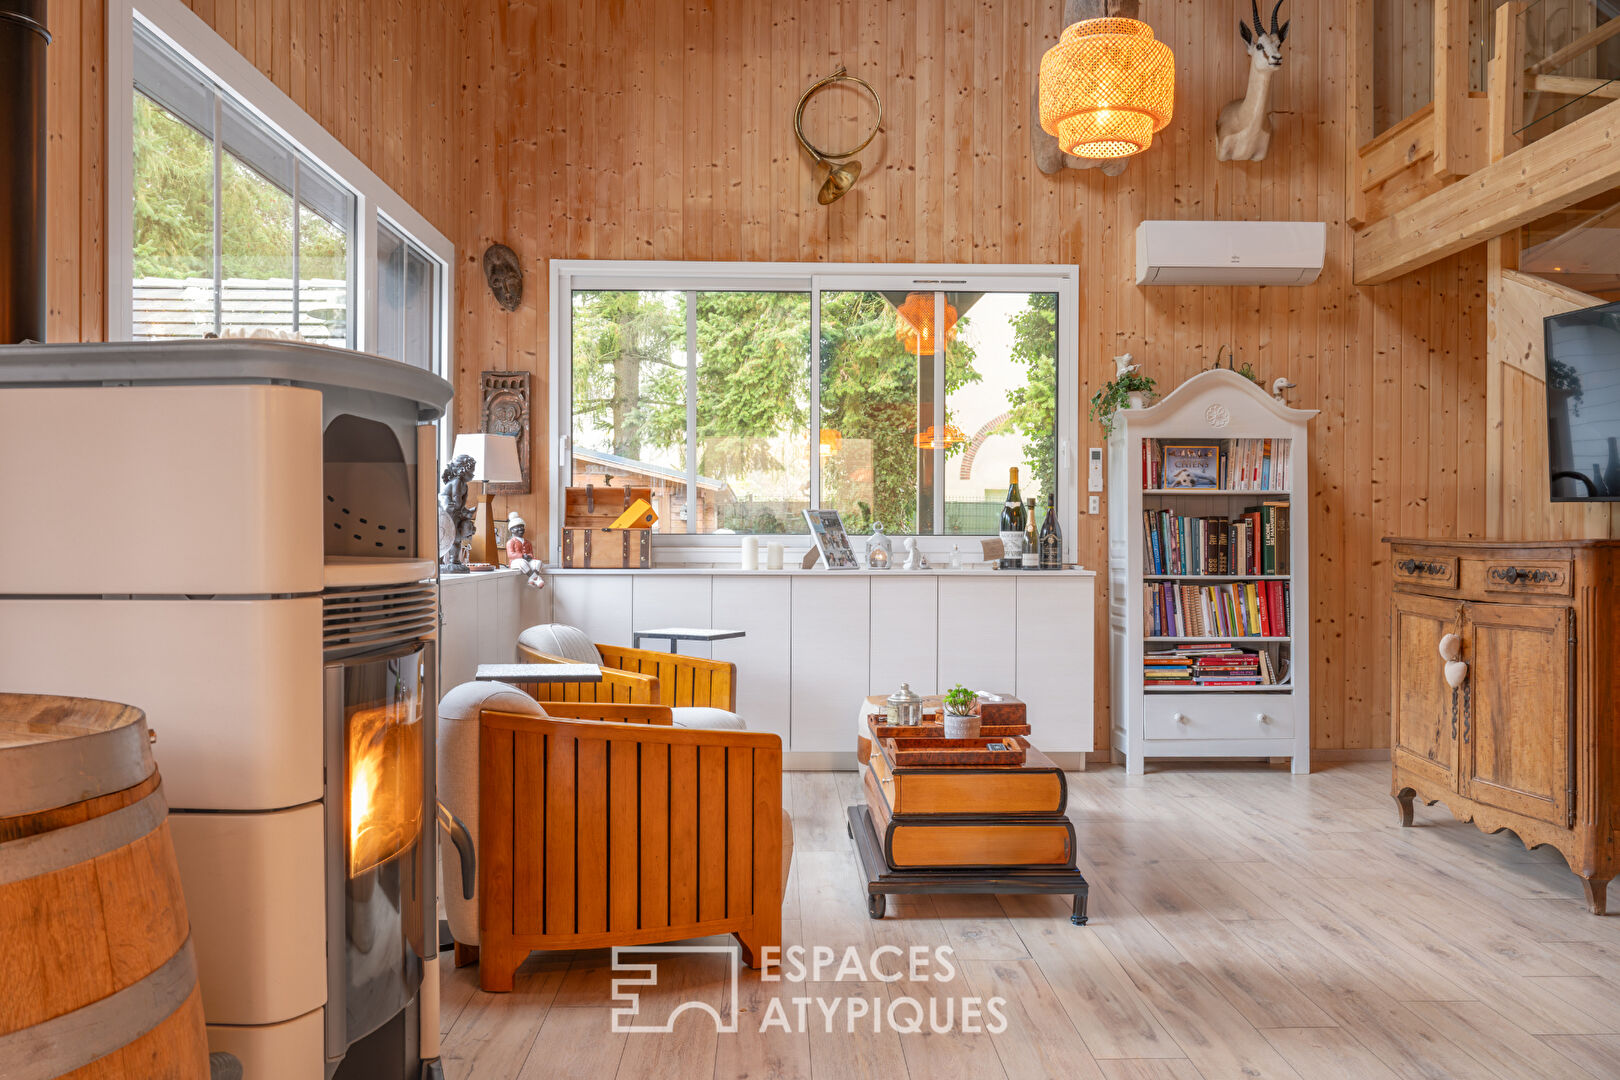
pixel 1229 252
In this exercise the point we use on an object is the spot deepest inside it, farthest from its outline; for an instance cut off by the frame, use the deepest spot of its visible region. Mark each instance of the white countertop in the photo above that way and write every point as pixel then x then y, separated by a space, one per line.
pixel 721 571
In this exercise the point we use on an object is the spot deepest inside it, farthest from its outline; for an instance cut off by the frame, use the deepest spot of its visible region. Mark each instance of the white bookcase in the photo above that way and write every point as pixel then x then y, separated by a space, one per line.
pixel 1213 408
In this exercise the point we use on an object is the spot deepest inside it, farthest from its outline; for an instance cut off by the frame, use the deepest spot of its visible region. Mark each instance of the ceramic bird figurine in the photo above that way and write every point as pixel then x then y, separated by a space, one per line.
pixel 1278 385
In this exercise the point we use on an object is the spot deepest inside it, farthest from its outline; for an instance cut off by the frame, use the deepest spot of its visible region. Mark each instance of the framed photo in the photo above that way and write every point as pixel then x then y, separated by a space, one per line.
pixel 1192 466
pixel 827 527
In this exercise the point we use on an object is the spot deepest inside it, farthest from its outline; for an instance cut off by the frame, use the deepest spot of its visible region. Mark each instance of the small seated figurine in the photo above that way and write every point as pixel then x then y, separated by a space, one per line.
pixel 520 552
pixel 915 559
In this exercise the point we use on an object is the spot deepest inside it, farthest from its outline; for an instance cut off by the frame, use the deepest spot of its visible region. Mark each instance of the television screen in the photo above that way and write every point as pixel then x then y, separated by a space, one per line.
pixel 1583 404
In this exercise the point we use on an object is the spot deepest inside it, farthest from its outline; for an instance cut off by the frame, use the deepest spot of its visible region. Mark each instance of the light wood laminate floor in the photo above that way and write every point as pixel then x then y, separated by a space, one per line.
pixel 1244 923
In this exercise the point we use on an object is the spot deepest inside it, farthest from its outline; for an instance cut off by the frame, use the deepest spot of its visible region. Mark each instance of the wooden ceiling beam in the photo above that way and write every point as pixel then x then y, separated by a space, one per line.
pixel 1571 164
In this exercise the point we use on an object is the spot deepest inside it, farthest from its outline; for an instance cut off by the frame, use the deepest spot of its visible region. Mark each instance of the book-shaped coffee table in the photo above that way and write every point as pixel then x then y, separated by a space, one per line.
pixel 971 828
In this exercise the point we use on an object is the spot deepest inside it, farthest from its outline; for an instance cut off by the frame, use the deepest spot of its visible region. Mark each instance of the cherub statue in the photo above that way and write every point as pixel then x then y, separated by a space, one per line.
pixel 456 518
pixel 520 552
pixel 1123 366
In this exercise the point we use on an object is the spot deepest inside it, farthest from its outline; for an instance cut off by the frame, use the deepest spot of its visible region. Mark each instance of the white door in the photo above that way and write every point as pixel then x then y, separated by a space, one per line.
pixel 831 639
pixel 762 607
pixel 1055 659
pixel 978 632
pixel 905 633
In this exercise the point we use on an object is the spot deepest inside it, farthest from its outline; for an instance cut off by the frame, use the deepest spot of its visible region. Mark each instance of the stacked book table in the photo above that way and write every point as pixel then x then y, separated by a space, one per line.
pixel 994 823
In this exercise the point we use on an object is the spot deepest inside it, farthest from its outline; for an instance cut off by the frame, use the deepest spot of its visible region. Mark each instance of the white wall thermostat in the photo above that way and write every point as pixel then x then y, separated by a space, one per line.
pixel 1095 455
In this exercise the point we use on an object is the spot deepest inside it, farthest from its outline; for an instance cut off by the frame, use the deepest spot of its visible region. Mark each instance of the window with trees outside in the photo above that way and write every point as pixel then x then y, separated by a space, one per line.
pixel 743 395
pixel 237 228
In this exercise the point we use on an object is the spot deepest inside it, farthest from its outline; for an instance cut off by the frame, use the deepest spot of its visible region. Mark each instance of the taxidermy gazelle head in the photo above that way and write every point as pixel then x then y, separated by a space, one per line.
pixel 1265 47
pixel 1243 129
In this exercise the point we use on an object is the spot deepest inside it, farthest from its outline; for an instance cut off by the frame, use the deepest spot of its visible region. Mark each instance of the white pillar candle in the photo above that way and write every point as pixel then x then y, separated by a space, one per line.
pixel 773 555
pixel 750 553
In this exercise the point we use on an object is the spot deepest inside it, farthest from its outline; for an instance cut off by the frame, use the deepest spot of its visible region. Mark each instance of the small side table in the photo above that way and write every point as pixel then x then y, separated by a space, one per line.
pixel 685 633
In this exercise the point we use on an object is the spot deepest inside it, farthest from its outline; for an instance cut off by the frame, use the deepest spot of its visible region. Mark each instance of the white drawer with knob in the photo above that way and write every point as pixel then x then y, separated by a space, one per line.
pixel 1218 716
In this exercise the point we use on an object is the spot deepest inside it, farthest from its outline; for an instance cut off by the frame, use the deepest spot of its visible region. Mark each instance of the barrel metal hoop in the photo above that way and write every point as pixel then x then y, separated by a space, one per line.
pixel 19 19
pixel 68 771
pixel 73 1040
pixel 48 852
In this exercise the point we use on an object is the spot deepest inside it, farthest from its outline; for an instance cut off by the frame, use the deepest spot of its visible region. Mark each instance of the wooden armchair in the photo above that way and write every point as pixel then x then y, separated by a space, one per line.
pixel 644 676
pixel 610 826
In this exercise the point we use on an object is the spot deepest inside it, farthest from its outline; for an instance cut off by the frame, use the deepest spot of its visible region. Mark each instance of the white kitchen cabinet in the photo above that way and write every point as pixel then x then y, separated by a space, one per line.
pixel 831 674
pixel 598 603
pixel 817 642
pixel 481 616
pixel 978 632
pixel 1055 663
pixel 762 608
pixel 905 632
pixel 672 600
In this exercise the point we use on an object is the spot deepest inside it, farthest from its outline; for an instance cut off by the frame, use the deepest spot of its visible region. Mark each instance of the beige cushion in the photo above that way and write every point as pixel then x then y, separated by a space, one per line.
pixel 560 639
pixel 701 716
pixel 458 784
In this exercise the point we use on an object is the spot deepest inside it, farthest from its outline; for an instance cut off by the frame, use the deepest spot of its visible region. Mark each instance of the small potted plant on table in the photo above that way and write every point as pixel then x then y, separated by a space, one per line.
pixel 961 722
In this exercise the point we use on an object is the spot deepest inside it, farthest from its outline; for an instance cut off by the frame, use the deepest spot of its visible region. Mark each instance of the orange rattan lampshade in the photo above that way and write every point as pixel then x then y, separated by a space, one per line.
pixel 915 323
pixel 1107 88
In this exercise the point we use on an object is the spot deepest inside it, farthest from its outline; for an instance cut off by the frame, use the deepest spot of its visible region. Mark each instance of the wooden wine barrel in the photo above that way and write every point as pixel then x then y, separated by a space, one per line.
pixel 95 947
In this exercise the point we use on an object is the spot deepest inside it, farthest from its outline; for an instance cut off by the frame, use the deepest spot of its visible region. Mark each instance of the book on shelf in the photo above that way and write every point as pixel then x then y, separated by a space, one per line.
pixel 1225 465
pixel 1235 609
pixel 1208 664
pixel 1255 542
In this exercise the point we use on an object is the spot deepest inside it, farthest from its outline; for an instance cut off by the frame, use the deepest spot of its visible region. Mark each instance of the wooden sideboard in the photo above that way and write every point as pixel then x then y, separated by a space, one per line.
pixel 1527 738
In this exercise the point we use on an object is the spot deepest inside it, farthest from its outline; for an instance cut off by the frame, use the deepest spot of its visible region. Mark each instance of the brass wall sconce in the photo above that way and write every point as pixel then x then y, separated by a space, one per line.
pixel 841 172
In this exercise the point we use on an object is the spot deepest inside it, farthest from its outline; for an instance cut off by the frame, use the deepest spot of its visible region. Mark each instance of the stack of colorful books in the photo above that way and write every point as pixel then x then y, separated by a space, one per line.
pixel 1227 464
pixel 1207 664
pixel 1258 542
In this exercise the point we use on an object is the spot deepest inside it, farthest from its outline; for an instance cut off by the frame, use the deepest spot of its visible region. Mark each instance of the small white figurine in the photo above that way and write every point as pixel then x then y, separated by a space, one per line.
pixel 1123 366
pixel 1278 385
pixel 520 552
pixel 915 560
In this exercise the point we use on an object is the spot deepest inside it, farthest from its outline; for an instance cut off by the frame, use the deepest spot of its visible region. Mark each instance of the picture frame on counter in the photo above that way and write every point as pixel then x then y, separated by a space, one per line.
pixel 832 541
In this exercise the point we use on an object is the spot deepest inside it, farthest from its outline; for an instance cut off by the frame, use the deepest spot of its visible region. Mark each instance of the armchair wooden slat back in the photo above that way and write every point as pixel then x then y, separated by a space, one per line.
pixel 598 832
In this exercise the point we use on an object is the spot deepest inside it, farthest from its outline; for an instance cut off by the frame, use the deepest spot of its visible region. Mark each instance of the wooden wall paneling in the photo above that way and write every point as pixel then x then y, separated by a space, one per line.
pixel 561 129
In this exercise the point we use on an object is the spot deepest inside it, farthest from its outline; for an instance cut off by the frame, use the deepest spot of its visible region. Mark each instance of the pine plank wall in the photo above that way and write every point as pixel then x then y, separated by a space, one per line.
pixel 635 129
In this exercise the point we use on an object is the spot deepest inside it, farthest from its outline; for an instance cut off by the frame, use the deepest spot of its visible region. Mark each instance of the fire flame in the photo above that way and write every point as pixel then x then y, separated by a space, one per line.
pixel 385 784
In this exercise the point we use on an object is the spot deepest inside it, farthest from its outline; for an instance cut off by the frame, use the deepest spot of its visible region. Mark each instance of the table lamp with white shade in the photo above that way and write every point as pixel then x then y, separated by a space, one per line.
pixel 497 458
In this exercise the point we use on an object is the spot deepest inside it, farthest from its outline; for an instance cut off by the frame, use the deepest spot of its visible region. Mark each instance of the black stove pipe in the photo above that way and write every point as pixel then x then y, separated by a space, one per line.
pixel 22 170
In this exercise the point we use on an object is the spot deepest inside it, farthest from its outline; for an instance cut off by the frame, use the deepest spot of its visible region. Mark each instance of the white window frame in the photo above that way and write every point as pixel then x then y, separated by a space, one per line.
pixel 194 39
pixel 571 275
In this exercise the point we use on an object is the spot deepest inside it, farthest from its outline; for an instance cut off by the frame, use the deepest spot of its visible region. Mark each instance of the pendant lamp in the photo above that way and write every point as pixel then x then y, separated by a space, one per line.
pixel 914 323
pixel 1106 88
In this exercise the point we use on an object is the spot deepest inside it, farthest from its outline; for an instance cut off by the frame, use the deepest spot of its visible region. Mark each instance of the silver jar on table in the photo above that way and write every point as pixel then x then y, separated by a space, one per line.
pixel 904 707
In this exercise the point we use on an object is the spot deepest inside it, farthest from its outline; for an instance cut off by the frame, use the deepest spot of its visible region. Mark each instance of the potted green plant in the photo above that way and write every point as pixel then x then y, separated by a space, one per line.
pixel 961 722
pixel 1129 388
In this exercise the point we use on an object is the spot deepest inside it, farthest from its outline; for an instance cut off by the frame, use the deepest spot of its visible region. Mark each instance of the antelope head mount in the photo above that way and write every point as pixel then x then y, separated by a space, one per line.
pixel 1243 131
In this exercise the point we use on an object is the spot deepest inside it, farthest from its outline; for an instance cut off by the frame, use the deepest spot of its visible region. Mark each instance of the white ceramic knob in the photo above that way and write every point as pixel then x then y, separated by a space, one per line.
pixel 1181 718
pixel 1262 717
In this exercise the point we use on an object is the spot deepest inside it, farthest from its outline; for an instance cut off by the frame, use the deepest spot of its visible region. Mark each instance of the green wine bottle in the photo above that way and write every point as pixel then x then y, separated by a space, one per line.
pixel 1012 523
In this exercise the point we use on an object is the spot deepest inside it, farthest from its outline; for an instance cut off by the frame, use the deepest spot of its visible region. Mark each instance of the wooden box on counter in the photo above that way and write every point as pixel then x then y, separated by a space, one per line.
pixel 1527 739
pixel 588 543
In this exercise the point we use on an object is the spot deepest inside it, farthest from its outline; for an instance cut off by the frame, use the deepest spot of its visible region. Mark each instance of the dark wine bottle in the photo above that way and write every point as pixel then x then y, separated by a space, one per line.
pixel 1032 554
pixel 1012 523
pixel 1051 542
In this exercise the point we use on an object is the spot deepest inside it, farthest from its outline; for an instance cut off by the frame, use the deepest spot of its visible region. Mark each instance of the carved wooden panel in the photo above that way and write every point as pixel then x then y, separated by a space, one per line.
pixel 1519 576
pixel 505 397
pixel 1432 571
